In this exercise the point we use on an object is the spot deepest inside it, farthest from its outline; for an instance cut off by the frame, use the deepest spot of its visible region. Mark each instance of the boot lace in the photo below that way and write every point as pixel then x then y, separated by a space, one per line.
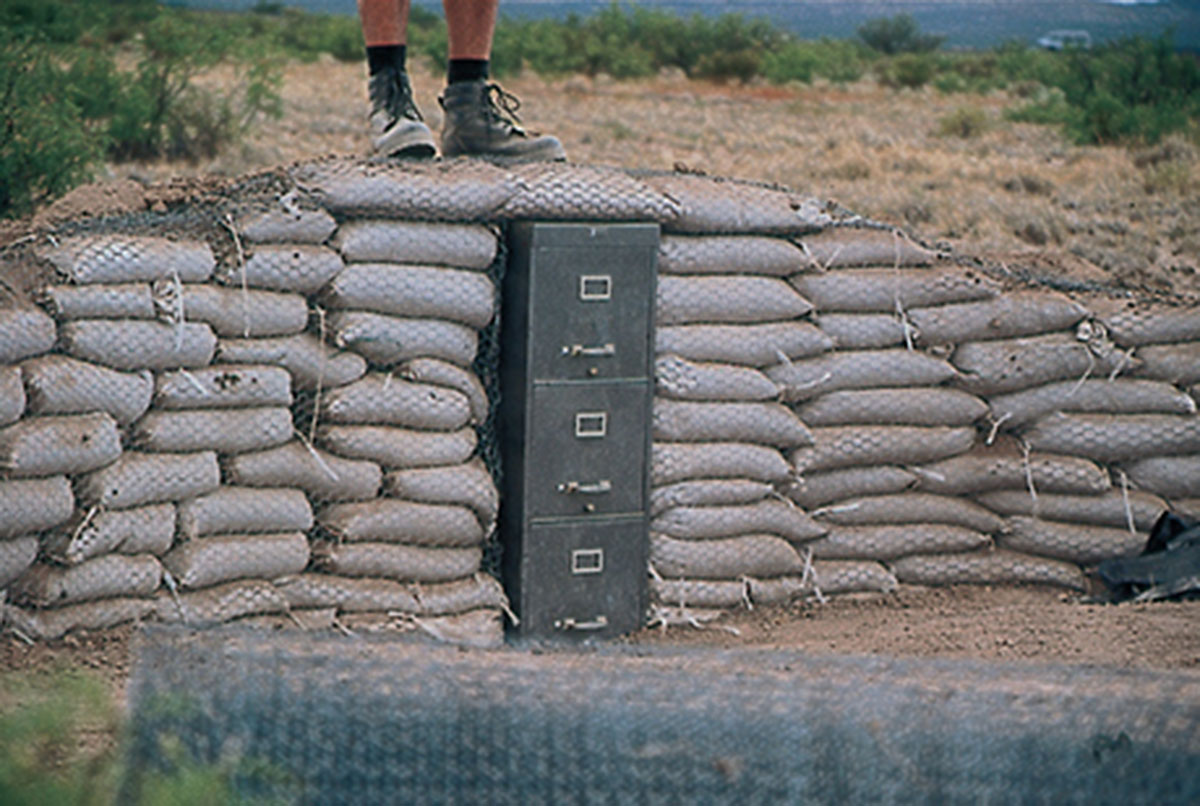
pixel 392 92
pixel 502 107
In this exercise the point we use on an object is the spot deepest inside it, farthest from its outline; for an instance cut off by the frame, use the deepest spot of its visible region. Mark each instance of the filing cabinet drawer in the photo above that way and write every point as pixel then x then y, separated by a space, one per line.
pixel 587 449
pixel 590 310
pixel 583 580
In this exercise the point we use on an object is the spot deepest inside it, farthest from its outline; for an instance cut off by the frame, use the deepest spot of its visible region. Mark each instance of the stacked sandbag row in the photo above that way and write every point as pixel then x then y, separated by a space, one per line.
pixel 84 402
pixel 401 529
pixel 722 534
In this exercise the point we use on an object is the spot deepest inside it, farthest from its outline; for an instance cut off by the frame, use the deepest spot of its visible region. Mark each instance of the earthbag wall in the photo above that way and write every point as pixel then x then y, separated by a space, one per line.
pixel 276 400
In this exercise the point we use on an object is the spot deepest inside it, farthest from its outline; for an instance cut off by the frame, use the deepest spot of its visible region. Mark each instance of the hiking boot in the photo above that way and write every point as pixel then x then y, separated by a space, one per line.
pixel 397 128
pixel 481 121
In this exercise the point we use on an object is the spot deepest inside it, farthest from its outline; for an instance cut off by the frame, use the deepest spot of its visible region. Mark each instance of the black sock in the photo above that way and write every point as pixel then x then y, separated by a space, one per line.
pixel 467 70
pixel 381 57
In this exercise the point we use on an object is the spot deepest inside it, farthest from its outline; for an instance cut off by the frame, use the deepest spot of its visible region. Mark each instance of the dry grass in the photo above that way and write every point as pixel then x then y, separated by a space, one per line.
pixel 1006 190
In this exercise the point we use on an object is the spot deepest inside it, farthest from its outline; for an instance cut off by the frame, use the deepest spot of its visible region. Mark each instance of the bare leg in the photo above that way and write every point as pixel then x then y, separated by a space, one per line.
pixel 470 25
pixel 384 22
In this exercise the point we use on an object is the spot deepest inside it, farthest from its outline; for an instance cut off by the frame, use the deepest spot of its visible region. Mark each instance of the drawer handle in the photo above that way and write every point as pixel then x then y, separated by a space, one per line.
pixel 585 487
pixel 595 351
pixel 598 623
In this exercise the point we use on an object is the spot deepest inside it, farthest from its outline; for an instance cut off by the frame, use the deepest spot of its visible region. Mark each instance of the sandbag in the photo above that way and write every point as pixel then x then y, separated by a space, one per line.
pixel 24 331
pixel 391 339
pixel 221 430
pixel 290 267
pixel 703 299
pixel 859 369
pixel 244 510
pixel 365 595
pixel 726 254
pixel 911 507
pixel 707 492
pixel 837 447
pixel 322 475
pixel 1174 363
pixel 468 246
pixel 751 345
pixel 841 247
pixel 123 301
pixel 430 292
pixel 395 561
pixel 1004 467
pixel 209 561
pixel 399 447
pixel 865 331
pixel 49 446
pixel 233 312
pixel 1116 437
pixel 286 224
pixel 681 379
pixel 46 585
pixel 679 461
pixel 699 592
pixel 379 399
pixel 423 190
pixel 1132 323
pixel 1189 507
pixel 120 258
pixel 919 406
pixel 216 605
pixel 12 395
pixel 732 558
pixel 149 478
pixel 311 364
pixel 34 505
pixel 386 520
pixel 1120 396
pixel 1169 476
pixel 468 484
pixel 1115 509
pixel 136 344
pixel 987 568
pixel 890 290
pixel 727 206
pixel 141 530
pixel 16 556
pixel 889 541
pixel 828 576
pixel 562 191
pixel 431 370
pixel 765 423
pixel 1083 545
pixel 50 625
pixel 1017 313
pixel 59 384
pixel 712 522
pixel 814 489
pixel 225 386
pixel 998 367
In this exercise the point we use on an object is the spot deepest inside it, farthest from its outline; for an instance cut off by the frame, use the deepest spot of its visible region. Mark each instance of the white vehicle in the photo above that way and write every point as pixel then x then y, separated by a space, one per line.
pixel 1061 40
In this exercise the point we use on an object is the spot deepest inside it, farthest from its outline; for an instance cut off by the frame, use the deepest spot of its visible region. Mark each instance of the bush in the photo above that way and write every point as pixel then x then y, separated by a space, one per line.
pixel 795 61
pixel 908 70
pixel 965 122
pixel 741 65
pixel 46 147
pixel 899 34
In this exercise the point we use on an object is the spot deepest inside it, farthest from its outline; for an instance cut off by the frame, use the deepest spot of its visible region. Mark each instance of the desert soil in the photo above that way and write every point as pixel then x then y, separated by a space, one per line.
pixel 1016 193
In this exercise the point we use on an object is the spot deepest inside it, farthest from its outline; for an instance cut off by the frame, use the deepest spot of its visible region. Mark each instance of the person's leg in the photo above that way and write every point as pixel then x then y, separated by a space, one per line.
pixel 397 128
pixel 477 121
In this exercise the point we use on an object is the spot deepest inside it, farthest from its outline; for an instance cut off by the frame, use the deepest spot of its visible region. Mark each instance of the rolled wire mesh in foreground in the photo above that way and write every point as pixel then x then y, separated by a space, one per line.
pixel 333 720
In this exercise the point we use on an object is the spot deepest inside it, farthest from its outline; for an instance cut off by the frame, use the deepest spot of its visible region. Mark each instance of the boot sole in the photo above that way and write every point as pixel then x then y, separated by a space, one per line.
pixel 406 145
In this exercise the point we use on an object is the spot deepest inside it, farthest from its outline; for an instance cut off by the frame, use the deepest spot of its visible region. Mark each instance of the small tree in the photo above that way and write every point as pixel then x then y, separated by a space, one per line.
pixel 899 34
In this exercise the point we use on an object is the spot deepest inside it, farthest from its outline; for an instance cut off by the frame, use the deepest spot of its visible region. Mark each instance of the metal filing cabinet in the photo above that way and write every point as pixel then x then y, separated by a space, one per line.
pixel 575 405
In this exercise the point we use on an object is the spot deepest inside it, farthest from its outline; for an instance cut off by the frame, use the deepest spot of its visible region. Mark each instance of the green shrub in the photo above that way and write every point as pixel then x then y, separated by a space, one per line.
pixel 740 65
pixel 965 122
pixel 908 70
pixel 46 147
pixel 795 61
pixel 899 34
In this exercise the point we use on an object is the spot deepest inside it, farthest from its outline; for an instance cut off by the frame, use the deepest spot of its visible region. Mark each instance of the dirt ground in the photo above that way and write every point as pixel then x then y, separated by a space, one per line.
pixel 1011 624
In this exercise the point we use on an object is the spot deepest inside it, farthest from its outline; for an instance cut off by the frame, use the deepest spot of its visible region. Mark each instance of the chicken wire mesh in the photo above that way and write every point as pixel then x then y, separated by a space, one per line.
pixel 837 408
pixel 330 720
